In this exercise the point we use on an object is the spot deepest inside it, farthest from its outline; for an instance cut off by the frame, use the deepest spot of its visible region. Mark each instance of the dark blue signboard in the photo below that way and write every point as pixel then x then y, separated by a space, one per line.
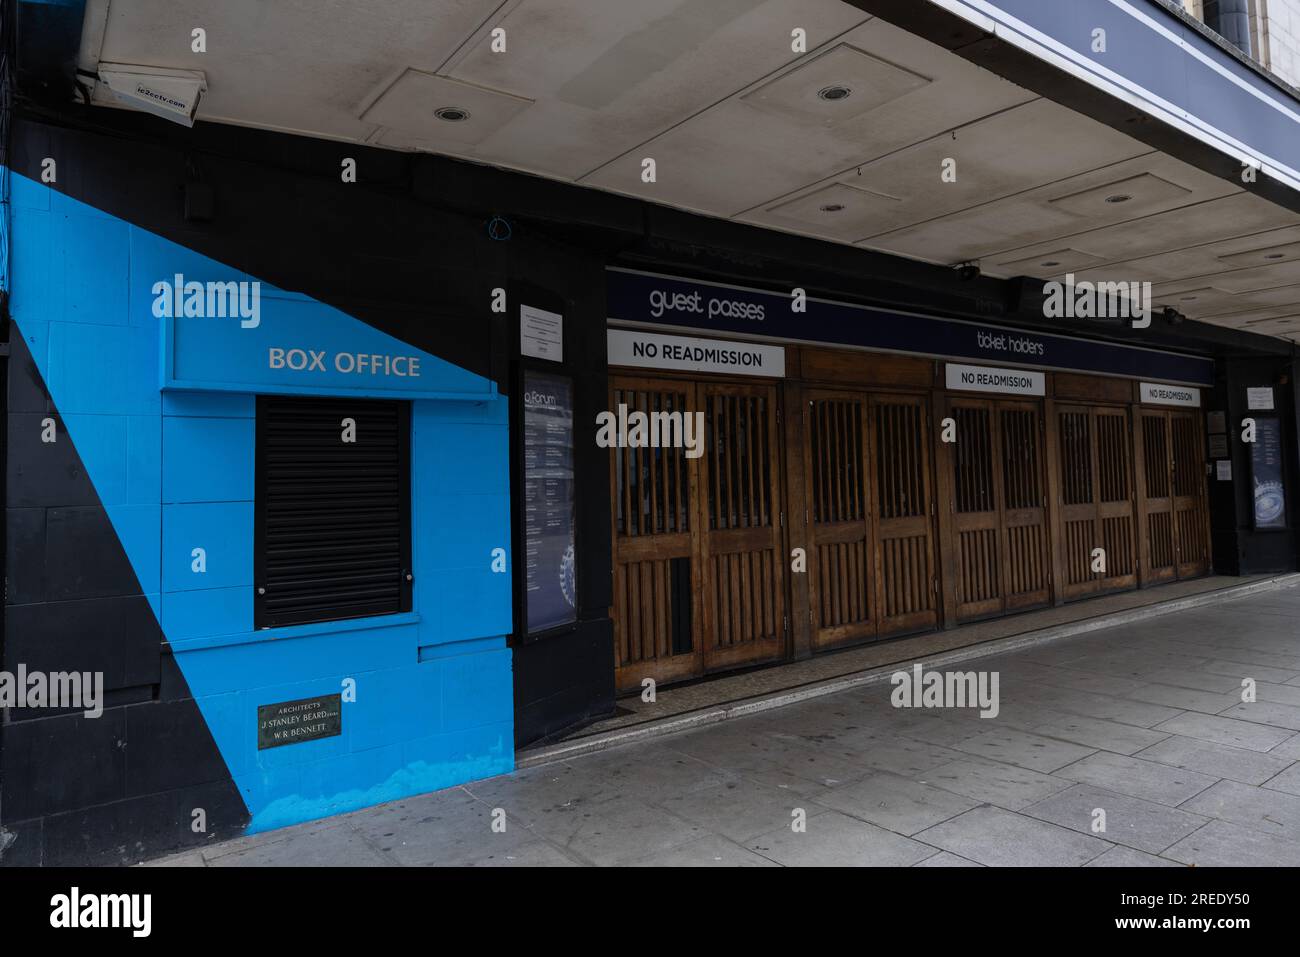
pixel 737 311
pixel 549 506
pixel 1266 467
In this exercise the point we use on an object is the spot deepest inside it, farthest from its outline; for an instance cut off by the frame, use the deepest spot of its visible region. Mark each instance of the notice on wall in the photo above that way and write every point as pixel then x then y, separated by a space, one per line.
pixel 293 722
pixel 651 350
pixel 1157 393
pixel 1223 470
pixel 1266 468
pixel 1216 421
pixel 1260 399
pixel 541 334
pixel 1218 446
pixel 988 379
pixel 549 511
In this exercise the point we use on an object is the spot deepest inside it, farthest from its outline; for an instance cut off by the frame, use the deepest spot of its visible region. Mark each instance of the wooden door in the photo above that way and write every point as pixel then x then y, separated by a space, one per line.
pixel 1191 523
pixel 741 551
pixel 656 567
pixel 1096 499
pixel 976 509
pixel 907 586
pixel 1159 546
pixel 1024 506
pixel 840 563
pixel 999 508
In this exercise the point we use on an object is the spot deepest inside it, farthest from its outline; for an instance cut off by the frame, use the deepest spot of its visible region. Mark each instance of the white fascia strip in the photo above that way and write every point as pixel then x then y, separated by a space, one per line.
pixel 993 20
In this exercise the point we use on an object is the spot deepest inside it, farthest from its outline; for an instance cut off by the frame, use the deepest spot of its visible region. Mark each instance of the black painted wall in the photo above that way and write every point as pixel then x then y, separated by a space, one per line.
pixel 124 785
pixel 1239 549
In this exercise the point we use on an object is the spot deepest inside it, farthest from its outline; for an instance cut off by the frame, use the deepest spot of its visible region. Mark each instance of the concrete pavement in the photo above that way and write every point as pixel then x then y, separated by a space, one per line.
pixel 1130 746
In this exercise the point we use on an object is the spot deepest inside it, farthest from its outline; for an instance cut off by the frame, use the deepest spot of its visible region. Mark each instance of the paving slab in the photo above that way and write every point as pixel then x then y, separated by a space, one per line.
pixel 338 845
pixel 1271 812
pixel 1224 844
pixel 1288 780
pixel 1224 730
pixel 1101 735
pixel 946 859
pixel 999 838
pixel 1120 856
pixel 739 810
pixel 711 851
pixel 1186 699
pixel 1216 760
pixel 1266 712
pixel 1147 780
pixel 1022 749
pixel 837 840
pixel 1127 820
pixel 897 803
pixel 992 782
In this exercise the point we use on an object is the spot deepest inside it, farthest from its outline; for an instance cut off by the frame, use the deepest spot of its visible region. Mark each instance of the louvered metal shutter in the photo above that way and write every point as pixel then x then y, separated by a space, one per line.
pixel 333 518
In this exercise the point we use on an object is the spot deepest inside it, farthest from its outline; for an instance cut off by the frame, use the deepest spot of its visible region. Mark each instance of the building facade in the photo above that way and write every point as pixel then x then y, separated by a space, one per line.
pixel 354 460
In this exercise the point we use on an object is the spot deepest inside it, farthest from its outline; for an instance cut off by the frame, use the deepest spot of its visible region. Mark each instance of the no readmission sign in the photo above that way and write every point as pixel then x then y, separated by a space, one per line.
pixel 649 350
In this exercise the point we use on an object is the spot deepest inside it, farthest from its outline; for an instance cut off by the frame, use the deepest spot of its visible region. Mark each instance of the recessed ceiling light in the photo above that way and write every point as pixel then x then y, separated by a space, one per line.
pixel 832 207
pixel 836 92
pixel 1119 198
pixel 452 114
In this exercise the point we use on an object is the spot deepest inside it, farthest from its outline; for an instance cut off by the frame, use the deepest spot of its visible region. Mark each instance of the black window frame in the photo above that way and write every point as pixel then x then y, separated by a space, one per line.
pixel 338 407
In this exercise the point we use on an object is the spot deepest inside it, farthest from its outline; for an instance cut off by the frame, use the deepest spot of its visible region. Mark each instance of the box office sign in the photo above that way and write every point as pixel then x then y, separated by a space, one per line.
pixel 295 345
pixel 1156 393
pixel 987 379
pixel 293 722
pixel 651 300
pixel 650 350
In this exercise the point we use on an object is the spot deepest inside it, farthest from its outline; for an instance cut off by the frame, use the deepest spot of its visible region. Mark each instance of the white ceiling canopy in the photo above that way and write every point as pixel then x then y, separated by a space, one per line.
pixel 846 141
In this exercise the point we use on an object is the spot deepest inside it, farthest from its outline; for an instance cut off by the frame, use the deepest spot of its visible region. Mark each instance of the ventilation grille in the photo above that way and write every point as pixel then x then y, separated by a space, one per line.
pixel 332 517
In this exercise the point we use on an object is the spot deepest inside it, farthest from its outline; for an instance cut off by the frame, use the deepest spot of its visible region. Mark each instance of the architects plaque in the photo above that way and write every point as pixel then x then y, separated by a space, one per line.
pixel 293 722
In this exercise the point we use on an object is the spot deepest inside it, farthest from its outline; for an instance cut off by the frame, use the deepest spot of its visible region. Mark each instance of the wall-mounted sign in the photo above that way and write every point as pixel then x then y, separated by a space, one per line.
pixel 1266 474
pixel 247 337
pixel 1156 393
pixel 987 379
pixel 651 350
pixel 1218 446
pixel 549 504
pixel 541 333
pixel 1216 421
pixel 1224 470
pixel 293 722
pixel 648 298
pixel 1260 399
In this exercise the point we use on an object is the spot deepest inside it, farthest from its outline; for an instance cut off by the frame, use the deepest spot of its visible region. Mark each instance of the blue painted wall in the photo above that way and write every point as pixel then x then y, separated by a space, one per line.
pixel 174 470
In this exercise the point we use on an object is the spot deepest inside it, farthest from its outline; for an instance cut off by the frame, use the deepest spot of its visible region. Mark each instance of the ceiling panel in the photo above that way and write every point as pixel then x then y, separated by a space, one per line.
pixel 607 78
pixel 1076 208
pixel 736 156
pixel 1016 149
